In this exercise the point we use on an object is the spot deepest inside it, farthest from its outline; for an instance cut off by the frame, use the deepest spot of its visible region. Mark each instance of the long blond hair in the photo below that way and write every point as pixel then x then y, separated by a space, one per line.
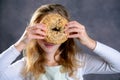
pixel 35 56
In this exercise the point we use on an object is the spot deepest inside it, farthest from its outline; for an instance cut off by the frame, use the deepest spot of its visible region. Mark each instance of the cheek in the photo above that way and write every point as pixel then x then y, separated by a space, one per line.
pixel 57 46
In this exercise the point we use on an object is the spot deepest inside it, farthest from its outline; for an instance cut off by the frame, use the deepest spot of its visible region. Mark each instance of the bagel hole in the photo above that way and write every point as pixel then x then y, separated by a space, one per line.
pixel 56 29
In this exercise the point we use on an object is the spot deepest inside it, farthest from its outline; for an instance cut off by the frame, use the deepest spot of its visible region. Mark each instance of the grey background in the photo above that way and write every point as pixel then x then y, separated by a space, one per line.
pixel 101 18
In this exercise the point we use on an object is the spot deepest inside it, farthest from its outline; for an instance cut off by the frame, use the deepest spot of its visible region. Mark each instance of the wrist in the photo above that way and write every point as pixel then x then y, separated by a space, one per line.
pixel 91 44
pixel 19 46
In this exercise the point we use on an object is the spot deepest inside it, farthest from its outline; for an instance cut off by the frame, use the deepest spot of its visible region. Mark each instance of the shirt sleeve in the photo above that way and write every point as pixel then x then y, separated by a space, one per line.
pixel 107 60
pixel 8 56
pixel 13 71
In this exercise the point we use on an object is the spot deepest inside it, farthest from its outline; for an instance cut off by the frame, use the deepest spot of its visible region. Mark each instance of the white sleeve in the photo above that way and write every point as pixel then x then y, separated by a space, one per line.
pixel 14 71
pixel 8 56
pixel 107 61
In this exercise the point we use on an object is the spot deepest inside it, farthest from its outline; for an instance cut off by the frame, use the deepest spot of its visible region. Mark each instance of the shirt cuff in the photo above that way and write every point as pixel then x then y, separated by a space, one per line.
pixel 98 46
pixel 14 50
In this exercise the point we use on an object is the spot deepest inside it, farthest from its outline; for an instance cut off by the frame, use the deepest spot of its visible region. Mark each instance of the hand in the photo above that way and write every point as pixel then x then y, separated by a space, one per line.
pixel 77 30
pixel 32 32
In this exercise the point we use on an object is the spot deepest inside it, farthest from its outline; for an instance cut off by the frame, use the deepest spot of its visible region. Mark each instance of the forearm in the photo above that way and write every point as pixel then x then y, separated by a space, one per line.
pixel 90 43
pixel 110 55
pixel 8 56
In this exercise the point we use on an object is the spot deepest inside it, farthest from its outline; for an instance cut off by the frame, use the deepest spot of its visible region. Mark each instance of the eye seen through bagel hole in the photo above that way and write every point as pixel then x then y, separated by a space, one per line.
pixel 56 29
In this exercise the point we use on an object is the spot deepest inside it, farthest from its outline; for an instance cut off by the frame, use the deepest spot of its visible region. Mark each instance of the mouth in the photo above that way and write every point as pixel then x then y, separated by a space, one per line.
pixel 48 45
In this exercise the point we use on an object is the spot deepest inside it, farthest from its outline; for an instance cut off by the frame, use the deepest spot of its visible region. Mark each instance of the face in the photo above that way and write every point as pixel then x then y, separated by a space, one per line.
pixel 48 47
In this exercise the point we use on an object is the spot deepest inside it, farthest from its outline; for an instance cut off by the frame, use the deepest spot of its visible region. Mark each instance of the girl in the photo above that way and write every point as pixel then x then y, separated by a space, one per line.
pixel 47 61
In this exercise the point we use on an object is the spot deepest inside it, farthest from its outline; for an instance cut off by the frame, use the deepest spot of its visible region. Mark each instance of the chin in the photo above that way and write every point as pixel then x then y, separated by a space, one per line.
pixel 50 50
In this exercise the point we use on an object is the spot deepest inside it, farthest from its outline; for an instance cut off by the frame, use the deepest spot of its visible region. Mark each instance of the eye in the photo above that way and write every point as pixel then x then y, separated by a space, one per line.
pixel 56 29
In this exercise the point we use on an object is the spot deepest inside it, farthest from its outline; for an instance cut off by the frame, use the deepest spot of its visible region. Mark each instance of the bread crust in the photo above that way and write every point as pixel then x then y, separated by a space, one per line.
pixel 55 24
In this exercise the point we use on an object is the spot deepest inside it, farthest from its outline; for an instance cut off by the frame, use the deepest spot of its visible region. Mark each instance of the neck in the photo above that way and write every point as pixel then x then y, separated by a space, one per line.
pixel 51 60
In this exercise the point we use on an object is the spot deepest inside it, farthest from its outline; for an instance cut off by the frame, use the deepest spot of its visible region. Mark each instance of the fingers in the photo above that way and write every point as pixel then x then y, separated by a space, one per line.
pixel 32 36
pixel 75 24
pixel 40 26
pixel 73 35
pixel 37 31
pixel 74 29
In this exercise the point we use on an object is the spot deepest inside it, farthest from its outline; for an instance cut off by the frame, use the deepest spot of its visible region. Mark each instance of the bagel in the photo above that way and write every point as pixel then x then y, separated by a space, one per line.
pixel 55 24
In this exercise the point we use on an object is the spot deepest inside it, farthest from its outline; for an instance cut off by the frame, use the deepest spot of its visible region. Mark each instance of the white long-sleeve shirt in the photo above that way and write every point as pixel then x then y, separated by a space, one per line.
pixel 107 62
